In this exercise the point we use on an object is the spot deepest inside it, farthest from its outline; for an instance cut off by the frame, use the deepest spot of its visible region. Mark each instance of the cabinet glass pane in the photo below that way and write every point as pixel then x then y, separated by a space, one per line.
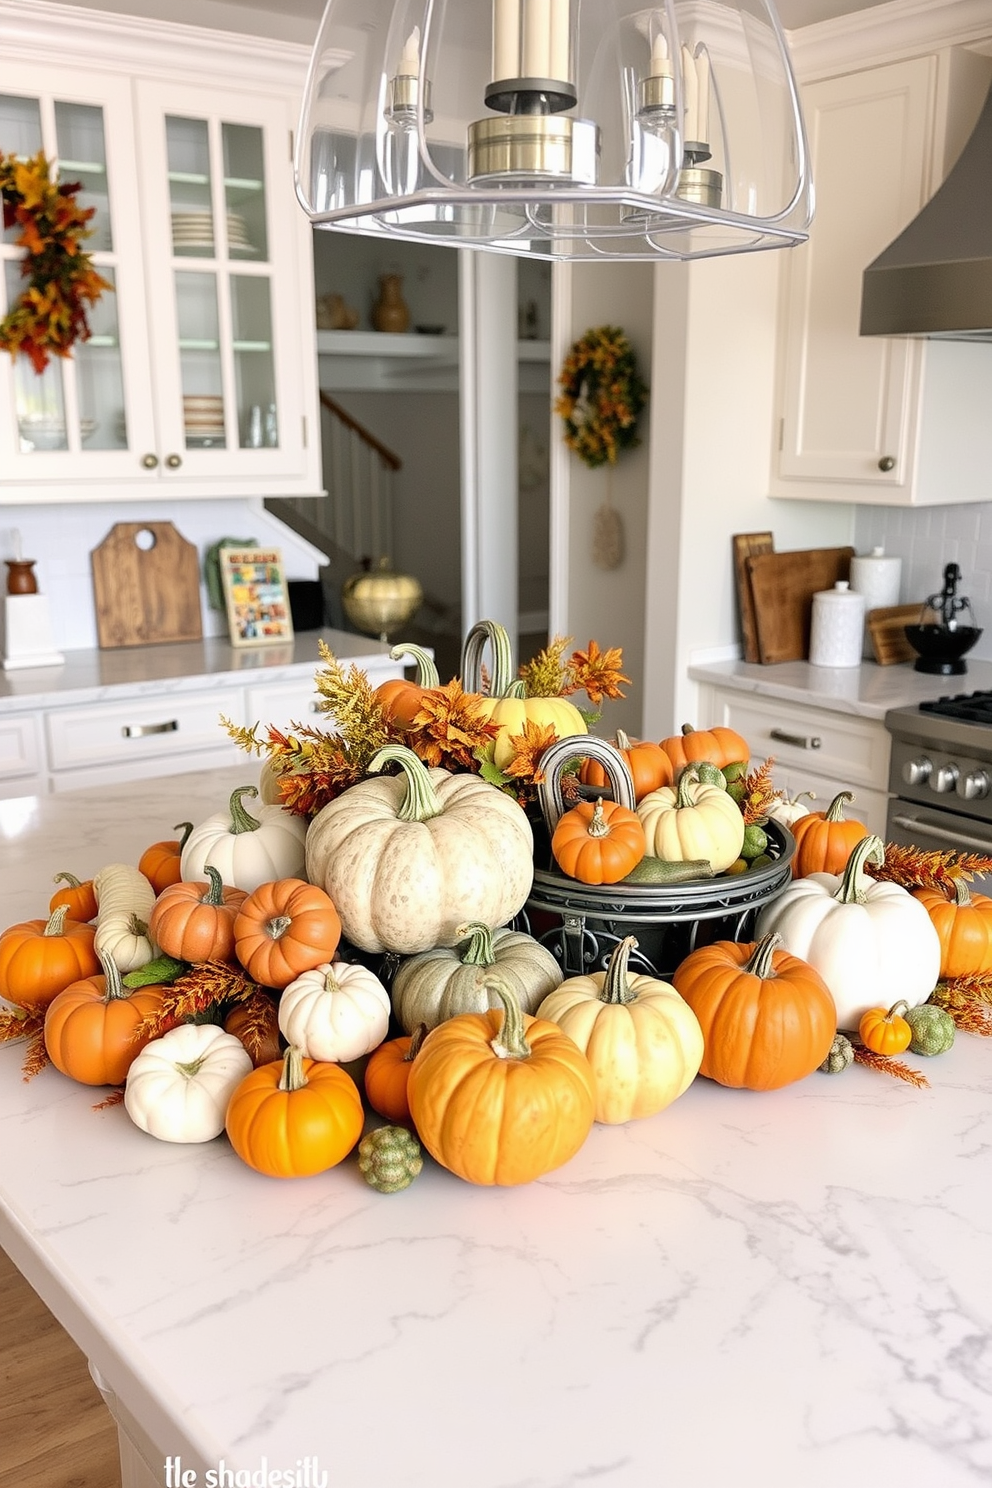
pixel 251 320
pixel 102 419
pixel 244 191
pixel 188 150
pixel 199 360
pixel 20 134
pixel 83 157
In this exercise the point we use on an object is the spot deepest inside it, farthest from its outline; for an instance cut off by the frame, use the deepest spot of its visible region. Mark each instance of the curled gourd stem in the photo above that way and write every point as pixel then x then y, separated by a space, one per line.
pixel 760 962
pixel 420 801
pixel 855 881
pixel 598 825
pixel 241 819
pixel 56 921
pixel 185 828
pixel 427 673
pixel 517 689
pixel 480 947
pixel 69 879
pixel 475 642
pixel 835 811
pixel 689 776
pixel 510 1042
pixel 616 987
pixel 215 891
pixel 293 1076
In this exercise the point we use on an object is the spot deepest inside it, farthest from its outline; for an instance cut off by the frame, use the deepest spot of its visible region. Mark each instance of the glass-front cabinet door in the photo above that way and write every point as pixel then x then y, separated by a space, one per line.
pixel 196 372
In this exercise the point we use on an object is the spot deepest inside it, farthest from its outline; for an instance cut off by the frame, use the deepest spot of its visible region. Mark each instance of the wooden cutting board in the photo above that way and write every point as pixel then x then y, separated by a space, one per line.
pixel 747 545
pixel 782 589
pixel 146 586
pixel 887 630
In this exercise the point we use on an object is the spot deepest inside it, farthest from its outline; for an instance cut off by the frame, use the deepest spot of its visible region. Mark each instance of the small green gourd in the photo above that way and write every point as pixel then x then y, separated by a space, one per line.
pixel 389 1158
pixel 932 1028
pixel 755 841
pixel 710 774
pixel 652 870
pixel 841 1054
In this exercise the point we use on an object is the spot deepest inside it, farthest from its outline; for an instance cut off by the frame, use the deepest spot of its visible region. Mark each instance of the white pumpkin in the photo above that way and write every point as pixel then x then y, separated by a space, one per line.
pixel 335 1013
pixel 408 859
pixel 692 819
pixel 179 1086
pixel 246 850
pixel 443 982
pixel 124 903
pixel 788 809
pixel 871 941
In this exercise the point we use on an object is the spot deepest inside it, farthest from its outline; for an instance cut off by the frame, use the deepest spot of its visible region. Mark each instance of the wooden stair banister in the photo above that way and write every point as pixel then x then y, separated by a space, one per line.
pixel 386 455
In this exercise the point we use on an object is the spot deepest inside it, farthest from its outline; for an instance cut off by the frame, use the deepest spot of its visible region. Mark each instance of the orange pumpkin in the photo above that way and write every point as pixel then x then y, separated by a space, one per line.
pixel 649 765
pixel 91 1028
pixel 195 921
pixel 964 925
pixel 160 862
pixel 598 842
pixel 887 1033
pixel 387 1075
pixel 285 928
pixel 256 1023
pixel 400 697
pixel 825 839
pixel 78 897
pixel 719 746
pixel 295 1117
pixel 40 958
pixel 499 1097
pixel 767 1017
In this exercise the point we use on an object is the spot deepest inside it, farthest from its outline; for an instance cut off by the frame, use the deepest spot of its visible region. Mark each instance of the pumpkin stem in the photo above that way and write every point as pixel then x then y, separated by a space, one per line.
pixel 114 988
pixel 136 926
pixel 480 947
pixel 56 921
pixel 688 776
pixel 598 825
pixel 855 880
pixel 760 963
pixel 897 1010
pixel 276 928
pixel 241 820
pixel 616 987
pixel 427 673
pixel 192 1068
pixel 185 828
pixel 416 1039
pixel 215 891
pixel 293 1076
pixel 475 644
pixel 835 811
pixel 420 802
pixel 510 1042
pixel 69 879
pixel 623 740
pixel 687 728
pixel 962 893
pixel 517 689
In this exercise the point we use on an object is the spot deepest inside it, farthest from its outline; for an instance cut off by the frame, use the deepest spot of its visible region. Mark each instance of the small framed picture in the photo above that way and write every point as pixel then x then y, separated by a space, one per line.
pixel 257 597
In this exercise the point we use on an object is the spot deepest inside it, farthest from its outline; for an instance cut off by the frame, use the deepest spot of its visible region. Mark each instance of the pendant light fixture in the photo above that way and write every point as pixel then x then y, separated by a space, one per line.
pixel 574 129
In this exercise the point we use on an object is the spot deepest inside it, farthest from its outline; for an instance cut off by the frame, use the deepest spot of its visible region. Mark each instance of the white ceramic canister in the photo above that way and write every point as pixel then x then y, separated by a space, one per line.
pixel 878 578
pixel 837 627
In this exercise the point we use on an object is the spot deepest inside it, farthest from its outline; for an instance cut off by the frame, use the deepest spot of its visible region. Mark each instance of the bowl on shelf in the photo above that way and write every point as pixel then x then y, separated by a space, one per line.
pixel 940 649
pixel 45 431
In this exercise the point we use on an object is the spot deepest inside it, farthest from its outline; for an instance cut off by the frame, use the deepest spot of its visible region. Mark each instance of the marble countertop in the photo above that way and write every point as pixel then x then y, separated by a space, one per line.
pixel 787 1290
pixel 137 671
pixel 868 691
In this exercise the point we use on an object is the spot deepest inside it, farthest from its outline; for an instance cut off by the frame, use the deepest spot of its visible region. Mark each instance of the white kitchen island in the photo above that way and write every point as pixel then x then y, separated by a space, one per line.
pixel 788 1290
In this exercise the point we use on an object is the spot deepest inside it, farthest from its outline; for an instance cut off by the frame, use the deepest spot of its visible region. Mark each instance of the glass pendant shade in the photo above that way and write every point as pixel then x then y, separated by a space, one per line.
pixel 558 128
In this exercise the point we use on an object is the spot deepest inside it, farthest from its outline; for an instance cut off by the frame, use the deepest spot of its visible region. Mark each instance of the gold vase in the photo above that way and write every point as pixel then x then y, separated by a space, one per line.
pixel 377 600
pixel 390 311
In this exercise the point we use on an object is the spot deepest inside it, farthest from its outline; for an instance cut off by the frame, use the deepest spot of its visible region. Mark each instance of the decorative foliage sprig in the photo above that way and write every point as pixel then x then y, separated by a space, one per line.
pixel 49 316
pixel 601 396
pixel 916 868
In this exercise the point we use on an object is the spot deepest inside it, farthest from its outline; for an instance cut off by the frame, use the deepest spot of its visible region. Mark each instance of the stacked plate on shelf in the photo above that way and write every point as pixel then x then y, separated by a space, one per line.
pixel 203 417
pixel 195 230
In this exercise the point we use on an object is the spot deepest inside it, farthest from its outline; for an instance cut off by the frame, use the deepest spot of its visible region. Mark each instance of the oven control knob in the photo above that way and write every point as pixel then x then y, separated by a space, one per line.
pixel 916 771
pixel 974 786
pixel 945 779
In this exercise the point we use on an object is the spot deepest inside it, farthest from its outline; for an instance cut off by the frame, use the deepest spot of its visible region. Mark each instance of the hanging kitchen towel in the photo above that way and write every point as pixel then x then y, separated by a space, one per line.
pixel 211 568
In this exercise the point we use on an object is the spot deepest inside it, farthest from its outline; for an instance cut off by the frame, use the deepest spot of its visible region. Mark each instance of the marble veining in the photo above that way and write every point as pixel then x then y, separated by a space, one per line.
pixel 786 1290
pixel 868 691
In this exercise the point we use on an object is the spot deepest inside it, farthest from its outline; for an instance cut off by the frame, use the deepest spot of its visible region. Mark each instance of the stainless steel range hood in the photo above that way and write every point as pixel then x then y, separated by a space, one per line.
pixel 935 279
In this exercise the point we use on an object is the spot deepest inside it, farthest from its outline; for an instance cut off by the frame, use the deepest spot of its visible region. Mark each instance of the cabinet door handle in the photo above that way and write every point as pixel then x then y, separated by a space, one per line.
pixel 173 462
pixel 886 463
pixel 140 730
pixel 149 461
pixel 809 741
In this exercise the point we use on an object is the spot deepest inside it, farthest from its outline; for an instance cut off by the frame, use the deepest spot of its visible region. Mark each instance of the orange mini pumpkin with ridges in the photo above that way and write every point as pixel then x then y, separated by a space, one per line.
pixel 79 897
pixel 718 746
pixel 964 925
pixel 387 1075
pixel 598 842
pixel 825 839
pixel 649 766
pixel 195 921
pixel 295 1117
pixel 40 958
pixel 91 1028
pixel 160 862
pixel 400 697
pixel 285 928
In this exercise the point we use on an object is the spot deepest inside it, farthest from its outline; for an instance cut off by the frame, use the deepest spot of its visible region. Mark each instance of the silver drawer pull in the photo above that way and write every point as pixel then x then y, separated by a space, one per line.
pixel 139 730
pixel 940 834
pixel 810 741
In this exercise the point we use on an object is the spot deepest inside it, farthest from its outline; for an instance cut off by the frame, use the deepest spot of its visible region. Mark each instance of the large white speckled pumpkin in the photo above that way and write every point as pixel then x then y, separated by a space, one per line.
pixel 408 859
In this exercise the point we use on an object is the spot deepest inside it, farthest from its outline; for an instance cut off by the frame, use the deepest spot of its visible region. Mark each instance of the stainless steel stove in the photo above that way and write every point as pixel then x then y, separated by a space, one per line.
pixel 940 776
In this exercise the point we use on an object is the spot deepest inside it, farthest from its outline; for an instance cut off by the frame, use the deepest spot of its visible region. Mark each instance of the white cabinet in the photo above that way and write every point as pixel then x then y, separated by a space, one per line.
pixel 199 378
pixel 878 419
pixel 815 749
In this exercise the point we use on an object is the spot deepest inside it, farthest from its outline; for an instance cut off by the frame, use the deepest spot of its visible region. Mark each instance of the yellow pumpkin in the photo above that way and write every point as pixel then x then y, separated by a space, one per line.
pixel 507 703
pixel 692 819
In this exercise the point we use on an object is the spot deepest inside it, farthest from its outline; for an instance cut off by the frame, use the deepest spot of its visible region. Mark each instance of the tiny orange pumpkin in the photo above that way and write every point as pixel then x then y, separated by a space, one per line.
pixel 285 928
pixel 964 925
pixel 40 958
pixel 92 1027
pixel 195 921
pixel 649 765
pixel 598 842
pixel 886 1032
pixel 78 897
pixel 160 862
pixel 718 746
pixel 825 839
pixel 387 1075
pixel 294 1118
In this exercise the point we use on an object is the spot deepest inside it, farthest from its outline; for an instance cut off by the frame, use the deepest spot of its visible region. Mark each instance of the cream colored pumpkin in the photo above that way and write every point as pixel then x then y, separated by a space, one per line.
pixel 640 1036
pixel 443 982
pixel 690 820
pixel 409 859
pixel 179 1085
pixel 335 1013
pixel 124 903
pixel 247 850
pixel 871 941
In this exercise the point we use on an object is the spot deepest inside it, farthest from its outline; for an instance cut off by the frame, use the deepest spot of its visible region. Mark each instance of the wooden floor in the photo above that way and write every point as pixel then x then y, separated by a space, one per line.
pixel 55 1431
